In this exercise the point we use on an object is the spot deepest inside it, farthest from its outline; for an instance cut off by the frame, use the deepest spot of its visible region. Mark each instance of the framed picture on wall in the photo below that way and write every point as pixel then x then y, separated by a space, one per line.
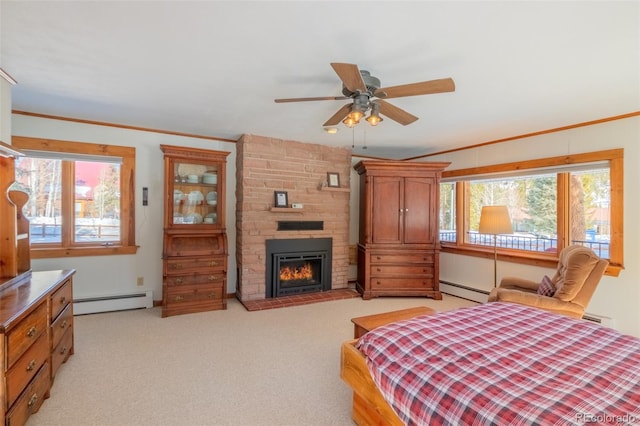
pixel 281 199
pixel 333 180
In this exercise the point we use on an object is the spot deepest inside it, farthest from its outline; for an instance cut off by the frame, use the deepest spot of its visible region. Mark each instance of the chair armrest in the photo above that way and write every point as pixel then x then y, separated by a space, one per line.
pixel 519 284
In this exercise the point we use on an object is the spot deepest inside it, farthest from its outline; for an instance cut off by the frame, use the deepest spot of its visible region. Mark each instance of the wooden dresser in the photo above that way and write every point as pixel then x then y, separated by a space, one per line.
pixel 195 240
pixel 36 309
pixel 36 326
pixel 398 248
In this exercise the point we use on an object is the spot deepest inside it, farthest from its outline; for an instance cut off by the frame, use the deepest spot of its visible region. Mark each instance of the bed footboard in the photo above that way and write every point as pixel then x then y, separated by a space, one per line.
pixel 369 406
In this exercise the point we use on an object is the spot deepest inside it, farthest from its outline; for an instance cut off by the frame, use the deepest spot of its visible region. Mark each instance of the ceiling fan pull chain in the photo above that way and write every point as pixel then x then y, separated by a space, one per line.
pixel 364 129
pixel 353 137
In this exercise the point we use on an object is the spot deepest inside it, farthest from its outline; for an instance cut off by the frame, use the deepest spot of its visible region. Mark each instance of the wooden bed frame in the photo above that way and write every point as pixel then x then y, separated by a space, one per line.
pixel 369 406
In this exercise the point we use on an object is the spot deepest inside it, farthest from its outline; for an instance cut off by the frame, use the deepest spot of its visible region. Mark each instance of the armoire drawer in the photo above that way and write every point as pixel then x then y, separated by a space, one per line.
pixel 401 284
pixel 401 257
pixel 412 270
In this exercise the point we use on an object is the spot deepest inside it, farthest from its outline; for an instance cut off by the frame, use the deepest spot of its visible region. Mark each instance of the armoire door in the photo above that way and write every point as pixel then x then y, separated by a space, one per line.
pixel 419 210
pixel 386 204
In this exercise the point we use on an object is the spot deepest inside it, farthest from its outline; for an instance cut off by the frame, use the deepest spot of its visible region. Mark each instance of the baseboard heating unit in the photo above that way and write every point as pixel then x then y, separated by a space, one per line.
pixel 116 302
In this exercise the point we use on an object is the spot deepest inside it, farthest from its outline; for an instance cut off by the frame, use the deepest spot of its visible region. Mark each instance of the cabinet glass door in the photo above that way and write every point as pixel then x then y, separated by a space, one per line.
pixel 195 194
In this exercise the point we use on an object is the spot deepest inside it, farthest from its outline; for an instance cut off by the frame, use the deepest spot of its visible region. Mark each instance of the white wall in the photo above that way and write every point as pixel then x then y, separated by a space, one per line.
pixel 616 297
pixel 106 275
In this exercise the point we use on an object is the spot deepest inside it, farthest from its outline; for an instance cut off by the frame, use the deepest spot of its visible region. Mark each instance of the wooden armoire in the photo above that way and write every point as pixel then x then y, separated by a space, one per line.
pixel 398 248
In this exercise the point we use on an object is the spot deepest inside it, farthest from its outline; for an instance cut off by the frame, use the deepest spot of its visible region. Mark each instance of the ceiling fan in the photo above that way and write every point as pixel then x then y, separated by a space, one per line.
pixel 366 94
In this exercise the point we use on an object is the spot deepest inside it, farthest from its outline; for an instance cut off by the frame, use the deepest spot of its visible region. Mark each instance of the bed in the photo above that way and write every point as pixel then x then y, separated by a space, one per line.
pixel 496 363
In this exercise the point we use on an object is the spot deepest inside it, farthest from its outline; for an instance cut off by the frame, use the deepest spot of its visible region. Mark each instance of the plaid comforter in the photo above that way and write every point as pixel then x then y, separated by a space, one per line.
pixel 505 364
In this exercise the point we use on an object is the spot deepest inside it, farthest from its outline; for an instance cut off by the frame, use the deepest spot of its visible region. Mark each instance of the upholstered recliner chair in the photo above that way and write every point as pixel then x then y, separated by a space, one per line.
pixel 569 291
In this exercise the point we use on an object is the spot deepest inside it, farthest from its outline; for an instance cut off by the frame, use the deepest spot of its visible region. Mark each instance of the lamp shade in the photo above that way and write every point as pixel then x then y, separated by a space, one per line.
pixel 495 220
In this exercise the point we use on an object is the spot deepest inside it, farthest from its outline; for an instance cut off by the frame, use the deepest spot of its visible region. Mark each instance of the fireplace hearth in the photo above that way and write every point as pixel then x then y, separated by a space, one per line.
pixel 296 266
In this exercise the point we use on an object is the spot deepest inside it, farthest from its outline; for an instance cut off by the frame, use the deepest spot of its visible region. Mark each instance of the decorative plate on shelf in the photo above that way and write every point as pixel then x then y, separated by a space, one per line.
pixel 195 197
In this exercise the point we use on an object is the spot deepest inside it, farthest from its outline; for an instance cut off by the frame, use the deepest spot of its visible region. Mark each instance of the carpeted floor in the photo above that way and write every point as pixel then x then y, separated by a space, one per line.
pixel 233 367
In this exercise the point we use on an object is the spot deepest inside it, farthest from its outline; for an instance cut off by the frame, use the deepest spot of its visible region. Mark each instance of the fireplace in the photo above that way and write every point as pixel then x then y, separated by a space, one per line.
pixel 296 266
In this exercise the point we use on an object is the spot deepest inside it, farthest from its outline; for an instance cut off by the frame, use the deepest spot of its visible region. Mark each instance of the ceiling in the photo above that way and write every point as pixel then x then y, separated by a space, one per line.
pixel 214 68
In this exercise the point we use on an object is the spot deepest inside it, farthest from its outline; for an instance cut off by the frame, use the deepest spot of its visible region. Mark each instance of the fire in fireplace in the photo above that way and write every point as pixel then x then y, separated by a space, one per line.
pixel 298 266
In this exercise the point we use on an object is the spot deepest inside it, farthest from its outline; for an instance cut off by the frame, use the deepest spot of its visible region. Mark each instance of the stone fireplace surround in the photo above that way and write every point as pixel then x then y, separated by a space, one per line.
pixel 265 165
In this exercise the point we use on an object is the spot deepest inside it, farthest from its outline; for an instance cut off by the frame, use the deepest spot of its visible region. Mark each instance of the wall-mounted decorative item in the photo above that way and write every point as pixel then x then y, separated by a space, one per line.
pixel 333 180
pixel 281 199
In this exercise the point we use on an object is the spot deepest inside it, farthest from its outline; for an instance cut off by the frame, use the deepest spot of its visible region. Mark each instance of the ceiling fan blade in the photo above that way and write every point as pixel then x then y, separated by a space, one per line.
pixel 350 76
pixel 323 98
pixel 395 113
pixel 338 116
pixel 423 88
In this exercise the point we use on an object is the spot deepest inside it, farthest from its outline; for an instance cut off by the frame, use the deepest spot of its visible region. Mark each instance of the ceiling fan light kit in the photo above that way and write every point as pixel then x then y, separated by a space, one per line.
pixel 362 87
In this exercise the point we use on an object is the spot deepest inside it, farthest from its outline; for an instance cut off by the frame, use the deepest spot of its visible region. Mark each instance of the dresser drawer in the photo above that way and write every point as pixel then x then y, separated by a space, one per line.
pixel 395 270
pixel 26 333
pixel 191 293
pixel 31 399
pixel 402 257
pixel 61 298
pixel 200 265
pixel 61 351
pixel 61 325
pixel 195 278
pixel 26 367
pixel 400 284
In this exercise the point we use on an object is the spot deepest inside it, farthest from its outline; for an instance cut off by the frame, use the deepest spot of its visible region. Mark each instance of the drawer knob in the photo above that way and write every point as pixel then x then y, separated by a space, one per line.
pixel 212 277
pixel 179 298
pixel 63 350
pixel 63 324
pixel 378 269
pixel 179 281
pixel 177 266
pixel 31 332
pixel 32 400
pixel 214 263
pixel 211 295
pixel 63 300
pixel 32 365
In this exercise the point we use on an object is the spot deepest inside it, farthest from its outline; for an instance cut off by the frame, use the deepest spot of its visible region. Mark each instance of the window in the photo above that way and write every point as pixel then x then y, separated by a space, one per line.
pixel 447 218
pixel 552 202
pixel 81 198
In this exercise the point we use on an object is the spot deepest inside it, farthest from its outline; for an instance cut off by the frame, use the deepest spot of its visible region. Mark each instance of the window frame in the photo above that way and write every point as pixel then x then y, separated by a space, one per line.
pixel 615 160
pixel 67 247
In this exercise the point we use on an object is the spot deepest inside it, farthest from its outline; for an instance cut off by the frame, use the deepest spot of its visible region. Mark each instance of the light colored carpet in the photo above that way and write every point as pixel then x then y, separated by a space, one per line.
pixel 233 367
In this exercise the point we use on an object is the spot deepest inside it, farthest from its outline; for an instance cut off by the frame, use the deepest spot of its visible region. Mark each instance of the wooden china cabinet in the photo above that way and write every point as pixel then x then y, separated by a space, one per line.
pixel 399 247
pixel 195 239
